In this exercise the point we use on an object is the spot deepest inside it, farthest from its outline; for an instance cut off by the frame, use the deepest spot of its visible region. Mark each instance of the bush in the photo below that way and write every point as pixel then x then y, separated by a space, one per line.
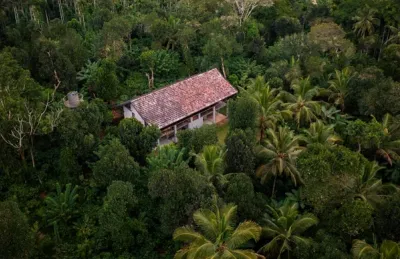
pixel 324 246
pixel 329 173
pixel 386 219
pixel 105 81
pixel 352 219
pixel 239 156
pixel 138 139
pixel 15 240
pixel 114 163
pixel 285 25
pixel 275 82
pixel 115 218
pixel 195 139
pixel 295 45
pixel 80 128
pixel 242 114
pixel 179 192
pixel 240 191
pixel 391 61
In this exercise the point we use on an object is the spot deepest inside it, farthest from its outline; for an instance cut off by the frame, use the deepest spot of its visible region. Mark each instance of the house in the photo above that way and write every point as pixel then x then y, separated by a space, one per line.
pixel 186 104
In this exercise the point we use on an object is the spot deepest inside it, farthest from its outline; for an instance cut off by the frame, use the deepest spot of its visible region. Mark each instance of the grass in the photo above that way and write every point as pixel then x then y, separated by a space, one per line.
pixel 222 131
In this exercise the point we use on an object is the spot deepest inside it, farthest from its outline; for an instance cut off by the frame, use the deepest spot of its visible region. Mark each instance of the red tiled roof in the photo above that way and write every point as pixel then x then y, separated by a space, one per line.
pixel 170 104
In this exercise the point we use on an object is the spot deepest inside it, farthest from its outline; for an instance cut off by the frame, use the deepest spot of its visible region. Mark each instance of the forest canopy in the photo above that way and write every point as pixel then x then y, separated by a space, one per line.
pixel 308 165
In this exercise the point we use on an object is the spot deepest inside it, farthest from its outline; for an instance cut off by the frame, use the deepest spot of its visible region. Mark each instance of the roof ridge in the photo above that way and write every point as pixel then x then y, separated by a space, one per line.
pixel 166 86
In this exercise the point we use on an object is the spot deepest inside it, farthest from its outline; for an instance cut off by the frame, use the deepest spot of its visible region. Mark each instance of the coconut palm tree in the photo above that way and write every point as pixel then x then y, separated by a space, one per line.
pixel 371 189
pixel 282 149
pixel 285 226
pixel 211 163
pixel 255 85
pixel 269 103
pixel 294 71
pixel 387 250
pixel 301 103
pixel 320 133
pixel 389 147
pixel 218 237
pixel 269 112
pixel 394 35
pixel 339 87
pixel 365 21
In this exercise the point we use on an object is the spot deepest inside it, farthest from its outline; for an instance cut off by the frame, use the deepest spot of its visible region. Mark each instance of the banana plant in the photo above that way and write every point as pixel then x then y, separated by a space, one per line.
pixel 62 207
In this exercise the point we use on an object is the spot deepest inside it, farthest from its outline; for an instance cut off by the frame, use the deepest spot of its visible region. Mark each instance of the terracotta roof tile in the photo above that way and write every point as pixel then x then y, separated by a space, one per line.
pixel 170 104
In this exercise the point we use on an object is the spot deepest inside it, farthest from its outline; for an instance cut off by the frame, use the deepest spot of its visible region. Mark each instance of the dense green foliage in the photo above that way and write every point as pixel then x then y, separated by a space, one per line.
pixel 195 140
pixel 16 239
pixel 114 163
pixel 308 165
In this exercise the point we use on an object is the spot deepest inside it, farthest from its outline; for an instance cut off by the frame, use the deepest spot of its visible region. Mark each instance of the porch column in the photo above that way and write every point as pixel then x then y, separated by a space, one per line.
pixel 214 113
pixel 158 142
pixel 175 131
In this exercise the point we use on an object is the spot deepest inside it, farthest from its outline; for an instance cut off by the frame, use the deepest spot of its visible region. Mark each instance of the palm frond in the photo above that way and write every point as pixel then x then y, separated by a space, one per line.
pixel 272 245
pixel 243 233
pixel 187 234
pixel 390 249
pixel 229 213
pixel 206 220
pixel 240 254
pixel 303 223
pixel 361 248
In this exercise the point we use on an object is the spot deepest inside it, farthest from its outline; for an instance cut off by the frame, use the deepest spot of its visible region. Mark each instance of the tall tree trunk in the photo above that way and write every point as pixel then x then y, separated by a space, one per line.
pixel 150 78
pixel 187 57
pixel 223 66
pixel 16 15
pixel 83 22
pixel 262 128
pixel 32 157
pixel 21 153
pixel 381 45
pixel 31 13
pixel 76 7
pixel 61 11
pixel 261 134
pixel 47 18
pixel 273 188
pixel 31 152
pixel 342 105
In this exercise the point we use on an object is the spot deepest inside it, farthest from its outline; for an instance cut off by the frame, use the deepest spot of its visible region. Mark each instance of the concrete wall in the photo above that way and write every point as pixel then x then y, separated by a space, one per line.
pixel 137 115
pixel 132 113
pixel 127 113
pixel 196 123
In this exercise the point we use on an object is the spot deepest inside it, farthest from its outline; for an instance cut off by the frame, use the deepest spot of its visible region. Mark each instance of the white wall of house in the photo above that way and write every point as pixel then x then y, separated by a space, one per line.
pixel 196 123
pixel 127 113
pixel 132 113
pixel 137 115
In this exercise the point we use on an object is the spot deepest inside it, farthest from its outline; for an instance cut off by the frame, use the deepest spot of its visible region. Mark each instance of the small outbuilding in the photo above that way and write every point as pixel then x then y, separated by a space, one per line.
pixel 186 104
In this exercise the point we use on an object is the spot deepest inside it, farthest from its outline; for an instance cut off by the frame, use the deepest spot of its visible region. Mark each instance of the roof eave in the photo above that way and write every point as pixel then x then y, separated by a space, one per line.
pixel 123 103
pixel 191 114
